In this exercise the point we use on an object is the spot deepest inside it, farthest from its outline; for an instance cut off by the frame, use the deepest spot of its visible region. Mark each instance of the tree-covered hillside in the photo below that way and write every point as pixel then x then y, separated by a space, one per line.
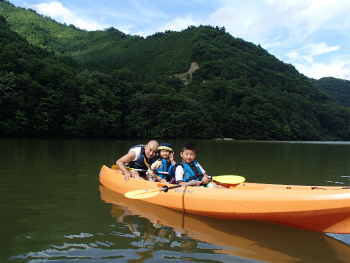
pixel 109 78
pixel 103 50
pixel 39 96
pixel 338 89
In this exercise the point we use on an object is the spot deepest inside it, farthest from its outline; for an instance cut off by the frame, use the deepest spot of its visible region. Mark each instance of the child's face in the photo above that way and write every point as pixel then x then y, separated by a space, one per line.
pixel 188 156
pixel 164 154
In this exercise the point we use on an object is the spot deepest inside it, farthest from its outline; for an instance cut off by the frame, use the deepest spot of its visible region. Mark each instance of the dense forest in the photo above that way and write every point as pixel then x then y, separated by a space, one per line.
pixel 339 89
pixel 59 80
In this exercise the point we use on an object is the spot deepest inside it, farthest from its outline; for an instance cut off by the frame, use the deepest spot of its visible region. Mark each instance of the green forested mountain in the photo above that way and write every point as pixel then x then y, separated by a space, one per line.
pixel 41 96
pixel 59 80
pixel 103 50
pixel 338 89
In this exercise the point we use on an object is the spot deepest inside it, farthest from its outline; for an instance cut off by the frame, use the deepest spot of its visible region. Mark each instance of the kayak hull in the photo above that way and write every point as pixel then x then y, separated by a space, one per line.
pixel 242 238
pixel 321 209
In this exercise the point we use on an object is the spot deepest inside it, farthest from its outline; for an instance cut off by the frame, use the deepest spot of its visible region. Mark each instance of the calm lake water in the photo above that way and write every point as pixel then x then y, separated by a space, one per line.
pixel 52 207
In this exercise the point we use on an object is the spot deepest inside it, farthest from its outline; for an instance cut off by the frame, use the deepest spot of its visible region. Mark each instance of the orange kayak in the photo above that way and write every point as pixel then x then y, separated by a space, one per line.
pixel 242 238
pixel 317 208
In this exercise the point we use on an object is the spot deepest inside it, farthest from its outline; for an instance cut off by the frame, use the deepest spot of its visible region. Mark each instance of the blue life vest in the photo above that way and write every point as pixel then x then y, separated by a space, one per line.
pixel 166 167
pixel 191 172
pixel 140 163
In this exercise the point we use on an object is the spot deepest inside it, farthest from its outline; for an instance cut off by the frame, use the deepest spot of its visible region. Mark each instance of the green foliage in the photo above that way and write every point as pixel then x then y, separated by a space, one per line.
pixel 57 80
pixel 41 96
pixel 338 89
pixel 167 116
pixel 104 51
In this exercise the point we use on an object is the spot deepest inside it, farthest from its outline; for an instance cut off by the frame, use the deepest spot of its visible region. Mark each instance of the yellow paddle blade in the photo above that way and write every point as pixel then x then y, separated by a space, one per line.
pixel 229 179
pixel 115 167
pixel 140 194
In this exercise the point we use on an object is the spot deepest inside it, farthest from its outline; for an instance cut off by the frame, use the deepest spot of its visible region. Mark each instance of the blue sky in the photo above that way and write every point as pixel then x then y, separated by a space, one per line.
pixel 312 35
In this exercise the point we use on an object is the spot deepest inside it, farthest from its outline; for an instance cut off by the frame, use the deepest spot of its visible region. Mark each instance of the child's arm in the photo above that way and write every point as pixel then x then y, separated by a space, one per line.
pixel 205 179
pixel 179 174
pixel 171 171
pixel 171 158
pixel 156 165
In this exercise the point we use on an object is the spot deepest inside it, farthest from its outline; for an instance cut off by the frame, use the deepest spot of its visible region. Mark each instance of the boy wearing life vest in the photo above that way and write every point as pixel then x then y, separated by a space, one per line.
pixel 191 170
pixel 165 163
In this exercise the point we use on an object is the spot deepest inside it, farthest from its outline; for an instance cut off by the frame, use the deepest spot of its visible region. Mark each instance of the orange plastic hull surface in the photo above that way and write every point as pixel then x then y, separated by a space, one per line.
pixel 261 241
pixel 321 209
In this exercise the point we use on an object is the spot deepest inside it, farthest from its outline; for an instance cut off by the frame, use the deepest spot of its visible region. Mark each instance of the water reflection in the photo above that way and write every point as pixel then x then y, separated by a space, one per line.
pixel 50 206
pixel 160 227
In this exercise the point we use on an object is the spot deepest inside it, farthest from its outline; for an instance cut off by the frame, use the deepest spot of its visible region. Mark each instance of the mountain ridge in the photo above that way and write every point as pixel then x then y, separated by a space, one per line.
pixel 239 90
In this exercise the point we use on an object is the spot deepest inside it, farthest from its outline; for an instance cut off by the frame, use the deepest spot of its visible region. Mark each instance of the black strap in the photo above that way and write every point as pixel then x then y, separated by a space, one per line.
pixel 146 160
pixel 197 174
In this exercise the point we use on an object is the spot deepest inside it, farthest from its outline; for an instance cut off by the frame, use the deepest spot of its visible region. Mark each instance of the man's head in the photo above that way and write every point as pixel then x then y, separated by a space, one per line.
pixel 151 149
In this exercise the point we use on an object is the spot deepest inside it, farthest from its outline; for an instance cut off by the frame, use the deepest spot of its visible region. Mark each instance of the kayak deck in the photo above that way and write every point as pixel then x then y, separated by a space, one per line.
pixel 256 186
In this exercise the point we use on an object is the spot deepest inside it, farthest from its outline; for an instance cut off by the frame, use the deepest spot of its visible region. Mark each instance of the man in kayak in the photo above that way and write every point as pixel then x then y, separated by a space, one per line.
pixel 138 157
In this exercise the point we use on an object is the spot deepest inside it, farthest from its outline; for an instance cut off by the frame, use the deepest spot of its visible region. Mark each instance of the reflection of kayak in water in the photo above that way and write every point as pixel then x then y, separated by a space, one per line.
pixel 249 239
pixel 321 209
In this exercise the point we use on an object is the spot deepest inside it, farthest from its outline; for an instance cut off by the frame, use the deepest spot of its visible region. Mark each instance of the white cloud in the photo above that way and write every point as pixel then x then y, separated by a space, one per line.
pixel 179 24
pixel 319 70
pixel 313 61
pixel 325 13
pixel 318 49
pixel 294 54
pixel 297 19
pixel 239 21
pixel 309 51
pixel 62 14
pixel 305 33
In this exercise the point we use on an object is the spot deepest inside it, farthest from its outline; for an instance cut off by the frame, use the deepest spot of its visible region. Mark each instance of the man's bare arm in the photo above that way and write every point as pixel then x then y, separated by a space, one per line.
pixel 127 158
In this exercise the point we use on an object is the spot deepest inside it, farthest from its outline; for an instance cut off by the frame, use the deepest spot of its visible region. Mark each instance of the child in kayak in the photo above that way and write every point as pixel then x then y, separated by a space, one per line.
pixel 191 170
pixel 164 164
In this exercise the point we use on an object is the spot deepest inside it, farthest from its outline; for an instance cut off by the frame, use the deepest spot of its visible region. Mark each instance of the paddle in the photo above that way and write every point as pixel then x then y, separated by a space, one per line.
pixel 229 179
pixel 115 167
pixel 224 179
pixel 140 194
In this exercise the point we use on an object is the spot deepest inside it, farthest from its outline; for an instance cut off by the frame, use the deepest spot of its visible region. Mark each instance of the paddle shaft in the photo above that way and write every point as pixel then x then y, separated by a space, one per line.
pixel 141 194
pixel 142 170
pixel 225 179
pixel 166 188
pixel 139 170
